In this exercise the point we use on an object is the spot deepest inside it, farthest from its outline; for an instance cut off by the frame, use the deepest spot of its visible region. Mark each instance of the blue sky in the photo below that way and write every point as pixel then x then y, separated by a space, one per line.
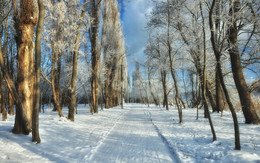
pixel 134 21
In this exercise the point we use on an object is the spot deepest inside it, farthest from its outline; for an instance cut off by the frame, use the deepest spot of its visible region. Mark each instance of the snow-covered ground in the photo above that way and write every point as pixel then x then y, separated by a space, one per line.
pixel 133 134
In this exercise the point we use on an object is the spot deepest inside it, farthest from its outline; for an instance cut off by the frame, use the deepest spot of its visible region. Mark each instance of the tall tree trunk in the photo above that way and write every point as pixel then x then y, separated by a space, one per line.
pixel 54 76
pixel 219 70
pixel 11 68
pixel 24 25
pixel 74 72
pixel 205 77
pixel 248 107
pixel 177 97
pixel 219 92
pixel 58 91
pixel 4 98
pixel 35 128
pixel 11 71
pixel 95 54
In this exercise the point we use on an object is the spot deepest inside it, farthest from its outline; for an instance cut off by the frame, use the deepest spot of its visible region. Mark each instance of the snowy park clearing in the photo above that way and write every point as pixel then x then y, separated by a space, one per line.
pixel 137 133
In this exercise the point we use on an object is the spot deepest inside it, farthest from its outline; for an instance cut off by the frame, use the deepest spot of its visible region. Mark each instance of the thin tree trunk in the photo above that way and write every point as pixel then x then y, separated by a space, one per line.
pixel 4 104
pixel 150 86
pixel 58 90
pixel 205 77
pixel 74 73
pixel 219 70
pixel 4 99
pixel 107 101
pixel 121 84
pixel 102 96
pixel 177 97
pixel 163 76
pixel 56 96
pixel 11 104
pixel 210 96
pixel 201 79
pixel 9 65
pixel 11 68
pixel 35 128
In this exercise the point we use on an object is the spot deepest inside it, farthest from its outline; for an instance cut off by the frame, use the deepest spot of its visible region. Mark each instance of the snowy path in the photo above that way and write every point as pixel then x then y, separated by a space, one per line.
pixel 143 142
pixel 135 134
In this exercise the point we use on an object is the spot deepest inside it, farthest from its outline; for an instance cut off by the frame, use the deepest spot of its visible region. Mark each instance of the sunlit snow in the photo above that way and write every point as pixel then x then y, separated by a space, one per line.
pixel 133 134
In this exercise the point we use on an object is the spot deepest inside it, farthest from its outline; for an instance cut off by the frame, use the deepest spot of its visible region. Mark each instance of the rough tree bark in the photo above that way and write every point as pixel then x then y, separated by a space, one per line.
pixel 237 70
pixel 95 6
pixel 25 20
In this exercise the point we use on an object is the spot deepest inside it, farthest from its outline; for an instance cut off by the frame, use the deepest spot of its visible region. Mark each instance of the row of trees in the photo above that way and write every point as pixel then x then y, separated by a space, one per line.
pixel 205 47
pixel 71 50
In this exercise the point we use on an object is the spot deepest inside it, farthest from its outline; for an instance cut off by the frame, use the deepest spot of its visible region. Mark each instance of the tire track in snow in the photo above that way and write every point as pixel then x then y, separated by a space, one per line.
pixel 164 140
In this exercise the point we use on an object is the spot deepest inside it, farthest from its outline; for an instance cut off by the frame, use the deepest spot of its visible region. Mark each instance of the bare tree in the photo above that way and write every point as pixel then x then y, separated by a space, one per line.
pixel 55 70
pixel 114 54
pixel 74 71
